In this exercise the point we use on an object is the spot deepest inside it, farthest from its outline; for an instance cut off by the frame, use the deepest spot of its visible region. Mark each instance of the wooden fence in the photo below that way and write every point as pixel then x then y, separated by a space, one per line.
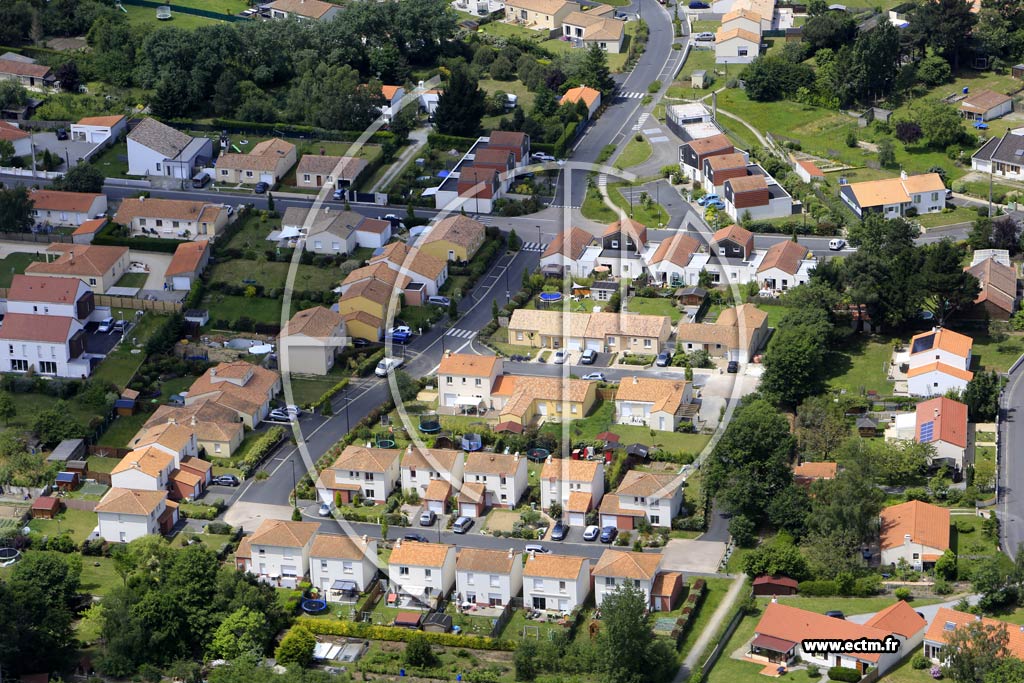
pixel 137 303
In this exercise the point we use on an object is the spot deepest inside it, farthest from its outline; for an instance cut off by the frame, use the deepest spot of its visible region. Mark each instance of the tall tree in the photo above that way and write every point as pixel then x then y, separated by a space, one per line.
pixel 820 427
pixel 626 631
pixel 945 26
pixel 461 107
pixel 973 650
pixel 949 286
pixel 982 396
pixel 80 178
pixel 875 61
pixel 15 210
pixel 794 363
pixel 595 72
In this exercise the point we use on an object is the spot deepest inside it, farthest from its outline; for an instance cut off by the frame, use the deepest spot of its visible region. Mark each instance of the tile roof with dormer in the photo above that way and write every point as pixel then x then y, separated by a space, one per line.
pixel 623 564
pixel 284 534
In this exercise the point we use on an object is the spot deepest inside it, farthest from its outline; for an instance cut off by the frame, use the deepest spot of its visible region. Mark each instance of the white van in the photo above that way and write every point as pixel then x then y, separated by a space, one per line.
pixel 387 365
pixel 836 244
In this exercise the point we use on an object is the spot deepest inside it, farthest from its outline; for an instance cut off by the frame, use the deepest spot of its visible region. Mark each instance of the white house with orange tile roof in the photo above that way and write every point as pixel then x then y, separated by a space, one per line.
pixel 656 497
pixel 371 473
pixel 422 572
pixel 893 197
pixel 947 621
pixel 576 485
pixel 941 422
pixel 465 379
pixel 147 468
pixel 597 26
pixel 939 360
pixel 784 265
pixel 591 98
pixel 49 345
pixel 311 340
pixel 99 129
pixel 490 578
pixel 100 267
pixel 573 251
pixel 914 531
pixel 539 15
pixel 393 95
pixel 20 139
pixel 736 46
pixel 127 514
pixel 504 477
pixel 218 429
pixel 557 583
pixel 278 551
pixel 66 209
pixel 342 566
pixel 780 635
pixel 535 400
pixel 660 404
pixel 617 568
pixel 188 263
pixel 243 387
pixel 172 218
pixel 422 468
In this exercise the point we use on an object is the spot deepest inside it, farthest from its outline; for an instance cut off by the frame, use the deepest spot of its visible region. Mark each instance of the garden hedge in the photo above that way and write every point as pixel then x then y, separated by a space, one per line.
pixel 351 629
pixel 260 450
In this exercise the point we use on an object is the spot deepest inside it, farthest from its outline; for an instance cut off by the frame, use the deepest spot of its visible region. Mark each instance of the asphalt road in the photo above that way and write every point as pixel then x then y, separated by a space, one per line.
pixel 1011 472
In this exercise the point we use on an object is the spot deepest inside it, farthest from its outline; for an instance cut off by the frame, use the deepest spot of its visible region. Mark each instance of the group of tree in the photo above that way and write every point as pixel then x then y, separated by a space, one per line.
pixel 181 604
pixel 1001 232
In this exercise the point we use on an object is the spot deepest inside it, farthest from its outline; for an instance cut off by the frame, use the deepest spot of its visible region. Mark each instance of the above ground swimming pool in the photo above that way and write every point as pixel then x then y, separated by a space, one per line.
pixel 550 297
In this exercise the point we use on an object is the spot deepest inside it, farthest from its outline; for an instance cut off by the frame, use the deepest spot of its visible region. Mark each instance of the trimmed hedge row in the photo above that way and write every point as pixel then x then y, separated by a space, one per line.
pixel 323 404
pixel 689 611
pixel 843 673
pixel 105 237
pixel 367 366
pixel 260 450
pixel 350 629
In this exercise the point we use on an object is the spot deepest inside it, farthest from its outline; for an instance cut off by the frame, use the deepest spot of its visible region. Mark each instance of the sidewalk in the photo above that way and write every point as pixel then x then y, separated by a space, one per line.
pixel 417 138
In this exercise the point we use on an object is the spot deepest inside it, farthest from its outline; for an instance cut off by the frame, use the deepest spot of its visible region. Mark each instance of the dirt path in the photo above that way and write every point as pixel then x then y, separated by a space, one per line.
pixel 725 608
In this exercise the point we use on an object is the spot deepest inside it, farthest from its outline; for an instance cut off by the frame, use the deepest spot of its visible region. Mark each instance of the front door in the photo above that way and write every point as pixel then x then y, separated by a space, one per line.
pixel 540 603
pixel 319 180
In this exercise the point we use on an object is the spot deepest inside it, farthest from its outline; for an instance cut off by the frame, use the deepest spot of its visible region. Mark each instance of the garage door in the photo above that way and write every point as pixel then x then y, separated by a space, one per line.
pixel 577 519
pixel 449 399
pixel 467 510
pixel 609 520
pixel 594 345
pixel 289 570
pixel 436 506
pixel 574 345
pixel 267 178
pixel 182 284
pixel 97 136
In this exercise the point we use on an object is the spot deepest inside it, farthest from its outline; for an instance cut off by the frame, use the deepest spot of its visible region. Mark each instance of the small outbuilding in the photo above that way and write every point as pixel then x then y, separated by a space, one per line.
pixel 408 620
pixel 666 591
pixel 68 481
pixel 698 79
pixel 68 449
pixel 867 426
pixel 774 585
pixel 1017 71
pixel 691 296
pixel 46 507
pixel 985 105
pixel 437 622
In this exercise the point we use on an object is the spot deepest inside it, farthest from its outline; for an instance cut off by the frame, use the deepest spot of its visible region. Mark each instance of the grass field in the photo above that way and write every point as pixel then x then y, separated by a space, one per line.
pixel 273 274
pixel 30 405
pixel 137 280
pixel 231 308
pixel 600 420
pixel 221 6
pixel 121 364
pixel 991 354
pixel 716 590
pixel 113 161
pixel 146 16
pixel 15 264
pixel 103 465
pixel 972 546
pixel 859 365
pixel 78 523
pixel 308 388
pixel 122 429
pixel 491 86
pixel 99 576
pixel 655 307
pixel 595 209
pixel 961 214
pixel 636 152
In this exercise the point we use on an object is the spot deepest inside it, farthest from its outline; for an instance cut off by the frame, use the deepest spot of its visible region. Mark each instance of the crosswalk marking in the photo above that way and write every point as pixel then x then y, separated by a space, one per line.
pixel 602 181
pixel 640 121
pixel 460 333
pixel 533 246
pixel 629 95
pixel 562 206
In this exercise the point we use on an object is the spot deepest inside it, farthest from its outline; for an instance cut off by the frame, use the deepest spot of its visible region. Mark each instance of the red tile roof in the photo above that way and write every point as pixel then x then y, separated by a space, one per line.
pixel 53 329
pixel 50 290
pixel 925 523
pixel 948 418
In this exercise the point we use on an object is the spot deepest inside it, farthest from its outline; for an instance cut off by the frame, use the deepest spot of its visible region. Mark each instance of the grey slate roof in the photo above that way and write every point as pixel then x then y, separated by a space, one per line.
pixel 1009 148
pixel 160 138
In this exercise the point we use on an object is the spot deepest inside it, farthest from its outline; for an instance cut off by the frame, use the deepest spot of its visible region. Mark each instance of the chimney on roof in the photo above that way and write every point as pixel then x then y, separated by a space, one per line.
pixel 512 553
pixel 936 412
pixel 903 175
pixel 636 380
pixel 71 256
pixel 398 543
pixel 365 539
pixel 906 539
pixel 193 420
pixel 977 617
pixel 172 420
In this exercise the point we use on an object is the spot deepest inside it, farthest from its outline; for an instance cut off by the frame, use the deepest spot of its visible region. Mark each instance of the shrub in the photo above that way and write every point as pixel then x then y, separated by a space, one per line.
pixel 919 662
pixel 365 631
pixel 261 449
pixel 219 528
pixel 818 588
pixel 324 402
pixel 842 673
pixel 813 671
pixel 902 593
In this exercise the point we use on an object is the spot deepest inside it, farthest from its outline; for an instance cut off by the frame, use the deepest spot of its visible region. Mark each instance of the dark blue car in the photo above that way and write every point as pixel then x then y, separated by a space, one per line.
pixel 608 534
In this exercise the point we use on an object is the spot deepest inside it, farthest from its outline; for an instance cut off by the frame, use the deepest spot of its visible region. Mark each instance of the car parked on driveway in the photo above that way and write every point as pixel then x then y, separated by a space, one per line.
pixel 541 156
pixel 560 531
pixel 663 360
pixel 560 357
pixel 427 518
pixel 225 480
pixel 325 510
pixel 715 203
pixel 439 301
pixel 608 534
pixel 106 325
pixel 733 366
pixel 591 533
pixel 705 35
pixel 261 187
pixel 462 525
pixel 280 415
pixel 703 201
pixel 589 357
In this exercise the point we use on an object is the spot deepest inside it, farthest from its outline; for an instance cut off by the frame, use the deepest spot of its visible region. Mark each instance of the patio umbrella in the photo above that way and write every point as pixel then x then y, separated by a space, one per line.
pixel 608 436
pixel 513 427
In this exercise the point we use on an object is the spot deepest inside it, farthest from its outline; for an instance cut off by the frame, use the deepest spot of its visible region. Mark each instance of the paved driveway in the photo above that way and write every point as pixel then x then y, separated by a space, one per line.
pixel 157 266
pixel 693 556
pixel 62 149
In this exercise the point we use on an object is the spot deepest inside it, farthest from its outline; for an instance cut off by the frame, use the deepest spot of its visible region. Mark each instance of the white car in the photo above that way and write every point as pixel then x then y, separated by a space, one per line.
pixel 387 366
pixel 401 329
pixel 594 377
pixel 280 415
pixel 560 357
pixel 106 325
pixel 591 533
pixel 541 156
pixel 836 244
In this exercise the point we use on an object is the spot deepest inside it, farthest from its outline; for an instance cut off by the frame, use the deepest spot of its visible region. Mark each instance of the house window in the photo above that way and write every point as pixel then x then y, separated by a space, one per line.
pixel 609 580
pixel 615 244
pixel 305 177
pixel 470 579
pixel 323 565
pixel 248 174
pixel 647 343
pixel 368 493
pixel 449 380
pixel 655 519
pixel 336 246
pixel 611 341
pixel 317 244
pixel 216 448
pixel 503 481
pixel 19 365
pixel 174 224
pixel 935 196
pixel 369 476
pixel 741 52
pixel 159 223
pixel 574 409
pixel 142 221
pixel 92 281
pixel 158 170
pixel 519 336
pixel 428 573
pixel 346 568
pixel 538 584
pixel 561 586
pixel 403 571
pixel 47 367
pixel 478 383
pixel 917 556
pixel 224 172
pixel 494 580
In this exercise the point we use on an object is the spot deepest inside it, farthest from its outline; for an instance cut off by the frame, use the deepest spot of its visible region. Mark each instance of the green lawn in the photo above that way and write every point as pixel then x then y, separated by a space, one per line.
pixel 698 60
pixel 728 670
pixel 600 420
pixel 222 6
pixel 775 312
pixel 273 275
pixel 658 306
pixel 15 264
pixel 30 405
pixel 990 354
pixel 499 340
pixel 514 628
pixel 102 465
pixel 78 523
pixel 99 576
pixel 231 308
pixel 121 364
pixel 636 152
pixel 113 161
pixel 146 16
pixel 961 214
pixel 972 547
pixel 905 673
pixel 251 231
pixel 137 280
pixel 122 429
pixel 595 209
pixel 847 606
pixel 491 86
pixel 859 365
pixel 308 388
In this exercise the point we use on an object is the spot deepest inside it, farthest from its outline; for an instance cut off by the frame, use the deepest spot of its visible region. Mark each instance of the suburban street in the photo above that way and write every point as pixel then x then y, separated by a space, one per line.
pixel 1011 473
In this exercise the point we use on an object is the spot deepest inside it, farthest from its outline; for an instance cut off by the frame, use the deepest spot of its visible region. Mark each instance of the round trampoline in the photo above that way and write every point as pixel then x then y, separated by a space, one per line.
pixel 550 297
pixel 472 442
pixel 430 424
pixel 314 605
pixel 385 442
pixel 9 556
pixel 538 454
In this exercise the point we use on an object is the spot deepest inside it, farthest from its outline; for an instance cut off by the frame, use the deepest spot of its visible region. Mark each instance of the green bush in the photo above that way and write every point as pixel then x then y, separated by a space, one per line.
pixel 842 673
pixel 260 450
pixel 919 662
pixel 349 629
pixel 902 593
pixel 367 366
pixel 325 398
pixel 817 588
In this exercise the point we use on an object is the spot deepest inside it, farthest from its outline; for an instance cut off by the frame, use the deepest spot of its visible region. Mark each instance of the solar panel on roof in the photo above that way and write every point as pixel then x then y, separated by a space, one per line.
pixel 927 432
pixel 923 344
pixel 949 626
pixel 1018 152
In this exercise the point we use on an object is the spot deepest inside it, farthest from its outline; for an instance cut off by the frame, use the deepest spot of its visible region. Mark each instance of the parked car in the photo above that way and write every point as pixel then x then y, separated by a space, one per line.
pixel 399 337
pixel 359 342
pixel 560 531
pixel 325 510
pixel 280 414
pixel 949 194
pixel 427 518
pixel 62 133
pixel 418 538
pixel 836 244
pixel 703 201
pixel 536 548
pixel 339 194
pixel 699 5
pixel 226 480
pixel 400 329
pixel 106 325
pixel 589 357
pixel 439 301
pixel 622 16
pixel 591 533
pixel 608 534
pixel 663 360
pixel 120 325
pixel 715 203
pixel 386 366
pixel 733 366
pixel 594 376
pixel 835 614
pixel 462 525
pixel 705 35
pixel 560 357
pixel 393 219
pixel 261 187
pixel 541 156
